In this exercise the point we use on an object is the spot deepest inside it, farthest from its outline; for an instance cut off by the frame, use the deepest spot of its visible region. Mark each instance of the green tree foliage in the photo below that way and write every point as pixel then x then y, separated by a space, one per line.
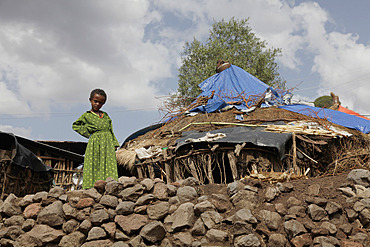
pixel 323 101
pixel 232 41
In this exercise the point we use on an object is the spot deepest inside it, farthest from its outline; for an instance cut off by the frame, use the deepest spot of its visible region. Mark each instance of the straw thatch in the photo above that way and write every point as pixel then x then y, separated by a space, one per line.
pixel 309 153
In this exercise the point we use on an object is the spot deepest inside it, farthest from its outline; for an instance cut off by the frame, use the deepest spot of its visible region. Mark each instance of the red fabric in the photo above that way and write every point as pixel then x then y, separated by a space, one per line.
pixel 348 111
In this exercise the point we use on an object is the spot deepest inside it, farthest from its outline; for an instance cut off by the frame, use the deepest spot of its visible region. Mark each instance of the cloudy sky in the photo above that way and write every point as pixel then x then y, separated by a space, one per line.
pixel 54 52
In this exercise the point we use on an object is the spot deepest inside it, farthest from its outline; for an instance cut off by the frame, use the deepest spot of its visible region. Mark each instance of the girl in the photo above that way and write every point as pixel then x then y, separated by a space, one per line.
pixel 100 157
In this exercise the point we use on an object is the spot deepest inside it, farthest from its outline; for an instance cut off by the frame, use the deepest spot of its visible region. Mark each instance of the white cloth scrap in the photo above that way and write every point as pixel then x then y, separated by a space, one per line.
pixel 207 138
pixel 146 153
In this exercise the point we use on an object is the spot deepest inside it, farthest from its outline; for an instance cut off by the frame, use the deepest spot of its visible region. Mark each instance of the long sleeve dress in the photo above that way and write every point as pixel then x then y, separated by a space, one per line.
pixel 100 157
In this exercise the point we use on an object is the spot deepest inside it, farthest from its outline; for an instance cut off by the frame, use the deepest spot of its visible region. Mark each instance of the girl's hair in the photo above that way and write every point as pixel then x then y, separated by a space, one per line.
pixel 98 91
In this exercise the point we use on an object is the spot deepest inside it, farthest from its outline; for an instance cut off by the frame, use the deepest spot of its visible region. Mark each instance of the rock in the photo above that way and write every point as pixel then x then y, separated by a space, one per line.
pixel 271 193
pixel 171 190
pixel 52 215
pixel 69 211
pixel 183 217
pixel 359 176
pixel 96 233
pixel 137 221
pixel 333 207
pixel 120 244
pixel 198 228
pixel 127 181
pixel 313 190
pixel 13 232
pixel 247 240
pixel 56 192
pixel 153 232
pixel 132 193
pixel 234 187
pixel 297 211
pixel 99 216
pixel 294 228
pixel 137 242
pixel 10 206
pixel 99 185
pixel 280 208
pixel 15 220
pixel 217 235
pixel 244 199
pixel 292 201
pixel 277 240
pixel 121 236
pixel 241 228
pixel 272 219
pixel 251 188
pixel 326 241
pixel 346 228
pixel 113 188
pixel 92 193
pixel 285 187
pixel 330 227
pixel 40 235
pixel 148 184
pixel 358 206
pixel 109 201
pixel 70 226
pixel 347 191
pixel 186 194
pixel 189 181
pixel 221 202
pixel 74 239
pixel 100 243
pixel 202 207
pixel 126 207
pixel 85 202
pixel 351 214
pixel 160 191
pixel 174 200
pixel 28 224
pixel 140 209
pixel 319 232
pixel 316 213
pixel 85 226
pixel 244 215
pixel 145 199
pixel 364 217
pixel 158 211
pixel 362 238
pixel 39 196
pixel 302 240
pixel 183 239
pixel 211 218
pixel 32 210
pixel 110 228
pixel 26 200
pixel 316 200
pixel 348 243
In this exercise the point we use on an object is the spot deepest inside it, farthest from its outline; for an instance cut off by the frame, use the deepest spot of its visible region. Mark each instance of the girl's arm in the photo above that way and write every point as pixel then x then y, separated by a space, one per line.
pixel 116 143
pixel 80 126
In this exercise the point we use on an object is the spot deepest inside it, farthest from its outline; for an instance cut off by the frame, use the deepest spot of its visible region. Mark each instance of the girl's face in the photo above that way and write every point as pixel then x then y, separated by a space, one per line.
pixel 97 102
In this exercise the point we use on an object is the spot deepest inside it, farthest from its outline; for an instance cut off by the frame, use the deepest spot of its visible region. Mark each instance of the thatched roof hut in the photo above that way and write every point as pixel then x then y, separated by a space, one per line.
pixel 235 135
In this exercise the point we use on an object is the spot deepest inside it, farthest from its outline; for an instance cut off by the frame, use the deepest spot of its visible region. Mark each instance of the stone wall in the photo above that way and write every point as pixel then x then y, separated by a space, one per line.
pixel 132 212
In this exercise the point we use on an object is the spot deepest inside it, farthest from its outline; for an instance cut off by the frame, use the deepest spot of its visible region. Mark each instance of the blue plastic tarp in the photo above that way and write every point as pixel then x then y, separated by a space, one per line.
pixel 227 84
pixel 333 116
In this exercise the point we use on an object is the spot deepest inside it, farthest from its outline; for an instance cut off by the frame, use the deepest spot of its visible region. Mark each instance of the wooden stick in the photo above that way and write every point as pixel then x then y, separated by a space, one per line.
pixel 232 162
pixel 295 167
pixel 193 170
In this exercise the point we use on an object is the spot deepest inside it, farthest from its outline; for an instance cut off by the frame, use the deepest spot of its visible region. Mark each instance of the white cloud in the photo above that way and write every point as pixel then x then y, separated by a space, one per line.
pixel 54 58
pixel 23 132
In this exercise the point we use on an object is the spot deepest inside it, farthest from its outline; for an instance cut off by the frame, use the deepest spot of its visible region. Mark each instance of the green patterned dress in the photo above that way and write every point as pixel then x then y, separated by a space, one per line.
pixel 100 157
